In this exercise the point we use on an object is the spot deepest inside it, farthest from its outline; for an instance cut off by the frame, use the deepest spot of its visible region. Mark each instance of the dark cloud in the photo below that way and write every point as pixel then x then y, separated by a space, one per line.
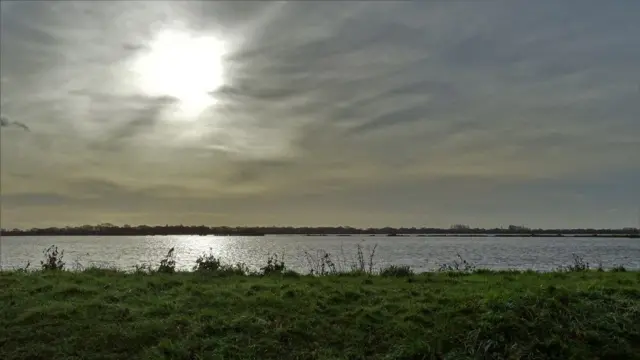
pixel 4 122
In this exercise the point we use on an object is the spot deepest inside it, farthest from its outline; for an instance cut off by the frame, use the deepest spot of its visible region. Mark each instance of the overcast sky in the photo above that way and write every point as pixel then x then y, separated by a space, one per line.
pixel 487 113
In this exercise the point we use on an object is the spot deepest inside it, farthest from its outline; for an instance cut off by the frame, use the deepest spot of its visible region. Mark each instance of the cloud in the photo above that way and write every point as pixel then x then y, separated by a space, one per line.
pixel 4 122
pixel 354 113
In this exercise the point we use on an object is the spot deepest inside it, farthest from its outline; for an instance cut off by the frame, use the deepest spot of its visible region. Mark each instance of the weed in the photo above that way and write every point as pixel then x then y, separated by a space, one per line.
pixel 273 266
pixel 578 265
pixel 322 264
pixel 168 263
pixel 459 265
pixel 52 259
pixel 364 264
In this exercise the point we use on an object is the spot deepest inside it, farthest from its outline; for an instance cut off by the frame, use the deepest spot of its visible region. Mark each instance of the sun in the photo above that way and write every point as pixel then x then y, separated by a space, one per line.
pixel 183 66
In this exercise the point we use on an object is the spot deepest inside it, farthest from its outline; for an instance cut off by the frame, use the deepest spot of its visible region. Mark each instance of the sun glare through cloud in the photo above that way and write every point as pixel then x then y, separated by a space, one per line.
pixel 184 66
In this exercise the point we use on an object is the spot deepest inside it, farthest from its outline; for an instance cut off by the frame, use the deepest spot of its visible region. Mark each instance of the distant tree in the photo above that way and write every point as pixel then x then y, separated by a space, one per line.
pixel 516 228
pixel 459 227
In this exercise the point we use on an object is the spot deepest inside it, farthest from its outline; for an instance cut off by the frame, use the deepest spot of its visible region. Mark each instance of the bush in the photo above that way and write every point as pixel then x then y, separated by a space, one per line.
pixel 168 264
pixel 273 266
pixel 619 268
pixel 52 259
pixel 397 271
pixel 207 263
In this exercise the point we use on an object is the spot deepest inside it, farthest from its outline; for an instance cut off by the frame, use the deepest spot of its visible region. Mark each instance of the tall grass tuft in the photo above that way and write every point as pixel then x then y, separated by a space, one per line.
pixel 168 264
pixel 52 259
pixel 364 264
pixel 274 266
pixel 324 264
pixel 460 266
pixel 579 264
pixel 321 264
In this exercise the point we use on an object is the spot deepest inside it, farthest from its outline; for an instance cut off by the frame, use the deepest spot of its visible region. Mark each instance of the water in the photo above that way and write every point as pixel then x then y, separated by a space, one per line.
pixel 421 253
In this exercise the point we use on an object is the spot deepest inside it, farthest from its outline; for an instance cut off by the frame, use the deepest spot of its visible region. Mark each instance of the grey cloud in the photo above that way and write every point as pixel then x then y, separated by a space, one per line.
pixel 4 122
pixel 142 118
pixel 252 92
pixel 254 171
pixel 122 117
pixel 133 47
pixel 331 109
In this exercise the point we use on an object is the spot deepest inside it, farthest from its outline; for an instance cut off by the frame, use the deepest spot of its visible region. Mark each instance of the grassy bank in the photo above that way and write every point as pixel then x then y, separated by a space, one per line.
pixel 105 314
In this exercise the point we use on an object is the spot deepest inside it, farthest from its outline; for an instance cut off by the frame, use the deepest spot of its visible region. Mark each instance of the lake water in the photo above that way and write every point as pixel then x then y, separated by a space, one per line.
pixel 421 253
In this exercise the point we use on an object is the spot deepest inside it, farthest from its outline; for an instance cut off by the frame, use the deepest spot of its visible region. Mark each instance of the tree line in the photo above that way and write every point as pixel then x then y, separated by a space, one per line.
pixel 108 229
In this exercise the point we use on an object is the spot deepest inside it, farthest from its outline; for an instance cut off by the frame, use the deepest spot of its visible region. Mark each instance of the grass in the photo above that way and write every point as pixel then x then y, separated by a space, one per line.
pixel 219 312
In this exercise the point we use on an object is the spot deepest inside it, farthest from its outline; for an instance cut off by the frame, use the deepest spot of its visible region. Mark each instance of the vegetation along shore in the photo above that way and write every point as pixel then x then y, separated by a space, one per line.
pixel 220 311
pixel 108 229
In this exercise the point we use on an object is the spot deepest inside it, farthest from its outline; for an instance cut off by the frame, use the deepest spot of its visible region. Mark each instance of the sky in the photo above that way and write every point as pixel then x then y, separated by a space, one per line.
pixel 485 113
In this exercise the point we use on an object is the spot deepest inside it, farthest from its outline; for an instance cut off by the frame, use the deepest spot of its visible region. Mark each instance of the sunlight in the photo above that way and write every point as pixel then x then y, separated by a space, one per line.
pixel 183 66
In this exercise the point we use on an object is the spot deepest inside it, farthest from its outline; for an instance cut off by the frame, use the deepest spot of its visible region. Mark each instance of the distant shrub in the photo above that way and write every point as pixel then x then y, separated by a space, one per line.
pixel 168 264
pixel 291 274
pixel 459 265
pixel 397 271
pixel 619 268
pixel 142 269
pixel 210 264
pixel 273 266
pixel 578 265
pixel 207 263
pixel 52 259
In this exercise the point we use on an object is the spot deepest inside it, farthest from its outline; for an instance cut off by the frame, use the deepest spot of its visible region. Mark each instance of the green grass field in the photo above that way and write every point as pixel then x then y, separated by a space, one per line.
pixel 105 314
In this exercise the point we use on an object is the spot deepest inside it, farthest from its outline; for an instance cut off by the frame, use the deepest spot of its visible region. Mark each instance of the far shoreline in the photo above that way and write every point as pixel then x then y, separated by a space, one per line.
pixel 378 235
